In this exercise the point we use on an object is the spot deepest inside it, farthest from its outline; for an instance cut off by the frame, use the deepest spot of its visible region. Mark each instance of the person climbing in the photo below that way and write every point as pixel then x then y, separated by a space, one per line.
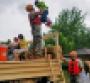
pixel 75 66
pixel 44 12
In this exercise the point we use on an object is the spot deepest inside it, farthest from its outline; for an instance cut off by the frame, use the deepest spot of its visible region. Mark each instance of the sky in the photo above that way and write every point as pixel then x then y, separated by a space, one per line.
pixel 14 20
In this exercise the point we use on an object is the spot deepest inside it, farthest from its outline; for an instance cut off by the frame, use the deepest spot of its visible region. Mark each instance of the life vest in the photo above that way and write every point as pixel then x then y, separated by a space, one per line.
pixel 73 67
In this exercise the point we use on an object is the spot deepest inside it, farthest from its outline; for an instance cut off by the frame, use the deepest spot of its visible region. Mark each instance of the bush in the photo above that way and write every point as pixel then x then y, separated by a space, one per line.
pixel 65 65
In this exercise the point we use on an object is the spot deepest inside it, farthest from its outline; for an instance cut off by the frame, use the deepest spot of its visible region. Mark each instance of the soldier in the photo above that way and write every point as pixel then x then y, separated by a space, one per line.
pixel 36 19
pixel 35 22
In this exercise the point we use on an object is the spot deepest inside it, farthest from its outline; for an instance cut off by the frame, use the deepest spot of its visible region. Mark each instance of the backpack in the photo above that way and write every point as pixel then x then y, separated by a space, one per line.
pixel 73 67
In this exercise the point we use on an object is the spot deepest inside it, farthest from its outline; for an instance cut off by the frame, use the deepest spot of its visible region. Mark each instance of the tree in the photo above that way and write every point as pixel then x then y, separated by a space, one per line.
pixel 87 38
pixel 70 24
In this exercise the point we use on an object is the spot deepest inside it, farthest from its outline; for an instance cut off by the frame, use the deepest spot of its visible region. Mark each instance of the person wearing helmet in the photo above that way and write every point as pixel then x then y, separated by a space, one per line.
pixel 74 67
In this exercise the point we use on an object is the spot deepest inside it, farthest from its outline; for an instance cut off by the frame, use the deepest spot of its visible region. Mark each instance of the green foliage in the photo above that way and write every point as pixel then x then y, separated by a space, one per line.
pixel 49 42
pixel 42 5
pixel 73 34
pixel 5 42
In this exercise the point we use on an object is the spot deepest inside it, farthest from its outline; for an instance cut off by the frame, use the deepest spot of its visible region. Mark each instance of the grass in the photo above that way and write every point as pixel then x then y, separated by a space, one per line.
pixel 66 76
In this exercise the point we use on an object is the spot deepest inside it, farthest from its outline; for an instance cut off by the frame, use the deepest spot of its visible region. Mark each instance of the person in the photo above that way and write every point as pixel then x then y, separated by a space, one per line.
pixel 33 17
pixel 43 8
pixel 23 44
pixel 15 43
pixel 86 68
pixel 36 18
pixel 35 22
pixel 75 66
pixel 44 12
pixel 11 47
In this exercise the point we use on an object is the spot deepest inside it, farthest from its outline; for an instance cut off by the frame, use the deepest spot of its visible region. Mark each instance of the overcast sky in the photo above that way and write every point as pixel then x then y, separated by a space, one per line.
pixel 13 17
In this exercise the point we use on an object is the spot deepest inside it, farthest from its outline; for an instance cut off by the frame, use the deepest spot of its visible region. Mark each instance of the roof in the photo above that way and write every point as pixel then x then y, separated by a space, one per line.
pixel 80 52
pixel 83 51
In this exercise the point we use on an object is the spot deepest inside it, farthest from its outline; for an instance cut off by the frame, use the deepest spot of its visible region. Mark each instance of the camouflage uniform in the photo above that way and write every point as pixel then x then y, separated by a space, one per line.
pixel 37 36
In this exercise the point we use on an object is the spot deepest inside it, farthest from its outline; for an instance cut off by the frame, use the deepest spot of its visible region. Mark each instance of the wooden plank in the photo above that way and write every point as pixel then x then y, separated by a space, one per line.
pixel 19 62
pixel 23 65
pixel 32 69
pixel 8 66
pixel 23 75
pixel 29 70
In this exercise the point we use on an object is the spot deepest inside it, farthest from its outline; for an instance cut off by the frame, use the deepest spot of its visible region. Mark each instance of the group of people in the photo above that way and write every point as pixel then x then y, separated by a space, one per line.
pixel 18 47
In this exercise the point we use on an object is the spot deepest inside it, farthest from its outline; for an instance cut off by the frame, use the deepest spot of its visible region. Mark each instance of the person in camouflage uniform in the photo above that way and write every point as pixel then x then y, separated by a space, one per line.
pixel 35 23
pixel 36 19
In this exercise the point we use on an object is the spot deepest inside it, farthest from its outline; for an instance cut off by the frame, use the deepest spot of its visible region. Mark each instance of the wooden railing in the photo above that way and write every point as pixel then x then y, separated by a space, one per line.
pixel 14 70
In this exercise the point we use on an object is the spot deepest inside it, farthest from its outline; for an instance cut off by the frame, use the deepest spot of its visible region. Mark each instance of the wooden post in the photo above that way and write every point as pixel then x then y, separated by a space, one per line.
pixel 46 53
pixel 57 44
pixel 51 68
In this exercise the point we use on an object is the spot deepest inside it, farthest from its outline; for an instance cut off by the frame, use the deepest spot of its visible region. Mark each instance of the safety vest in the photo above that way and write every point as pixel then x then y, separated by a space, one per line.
pixel 73 67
